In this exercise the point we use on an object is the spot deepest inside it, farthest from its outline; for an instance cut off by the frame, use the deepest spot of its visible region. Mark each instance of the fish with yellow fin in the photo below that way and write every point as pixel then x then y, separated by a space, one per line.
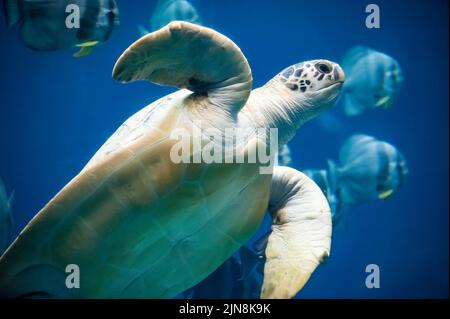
pixel 85 48
pixel 369 169
pixel 44 24
pixel 373 80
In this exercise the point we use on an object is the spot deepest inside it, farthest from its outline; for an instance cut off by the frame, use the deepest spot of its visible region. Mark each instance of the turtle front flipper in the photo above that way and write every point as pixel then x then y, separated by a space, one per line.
pixel 189 56
pixel 301 233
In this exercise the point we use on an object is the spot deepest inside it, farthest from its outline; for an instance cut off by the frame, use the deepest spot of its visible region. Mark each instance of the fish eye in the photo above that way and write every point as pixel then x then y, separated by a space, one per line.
pixel 324 67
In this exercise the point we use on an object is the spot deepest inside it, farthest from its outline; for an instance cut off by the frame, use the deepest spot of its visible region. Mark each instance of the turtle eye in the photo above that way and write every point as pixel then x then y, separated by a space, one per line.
pixel 324 67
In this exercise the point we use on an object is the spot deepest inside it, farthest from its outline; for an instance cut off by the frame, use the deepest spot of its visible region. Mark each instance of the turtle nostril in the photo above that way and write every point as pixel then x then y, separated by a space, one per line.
pixel 324 67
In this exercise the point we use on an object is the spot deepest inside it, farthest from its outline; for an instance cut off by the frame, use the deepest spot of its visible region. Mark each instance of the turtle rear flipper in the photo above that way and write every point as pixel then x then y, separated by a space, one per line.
pixel 189 56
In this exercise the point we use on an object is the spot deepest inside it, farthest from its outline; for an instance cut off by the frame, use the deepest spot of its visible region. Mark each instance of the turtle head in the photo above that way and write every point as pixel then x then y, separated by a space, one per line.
pixel 310 86
pixel 297 94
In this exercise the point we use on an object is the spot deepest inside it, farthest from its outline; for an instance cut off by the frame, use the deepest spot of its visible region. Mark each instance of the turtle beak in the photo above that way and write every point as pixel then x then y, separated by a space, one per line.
pixel 338 73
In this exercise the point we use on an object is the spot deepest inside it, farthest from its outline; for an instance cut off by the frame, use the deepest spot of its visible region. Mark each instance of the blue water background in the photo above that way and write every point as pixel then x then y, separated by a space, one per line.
pixel 56 111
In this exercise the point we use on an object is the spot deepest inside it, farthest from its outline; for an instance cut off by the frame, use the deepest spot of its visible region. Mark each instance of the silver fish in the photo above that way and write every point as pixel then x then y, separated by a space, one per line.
pixel 283 157
pixel 373 80
pixel 43 23
pixel 369 169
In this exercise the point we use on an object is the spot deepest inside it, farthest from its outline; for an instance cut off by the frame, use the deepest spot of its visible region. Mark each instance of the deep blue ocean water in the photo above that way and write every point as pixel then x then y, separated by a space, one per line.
pixel 56 111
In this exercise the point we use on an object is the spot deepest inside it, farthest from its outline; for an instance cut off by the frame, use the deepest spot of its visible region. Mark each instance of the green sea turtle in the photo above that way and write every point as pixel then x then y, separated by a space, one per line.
pixel 137 224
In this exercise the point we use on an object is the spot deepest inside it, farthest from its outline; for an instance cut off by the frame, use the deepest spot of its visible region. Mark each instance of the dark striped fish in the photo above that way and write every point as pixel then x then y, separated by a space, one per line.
pixel 373 80
pixel 51 25
pixel 369 169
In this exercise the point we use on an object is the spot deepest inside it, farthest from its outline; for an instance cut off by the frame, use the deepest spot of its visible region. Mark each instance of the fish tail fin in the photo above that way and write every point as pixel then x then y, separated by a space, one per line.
pixel 284 156
pixel 13 12
pixel 333 175
pixel 340 219
pixel 11 198
pixel 351 106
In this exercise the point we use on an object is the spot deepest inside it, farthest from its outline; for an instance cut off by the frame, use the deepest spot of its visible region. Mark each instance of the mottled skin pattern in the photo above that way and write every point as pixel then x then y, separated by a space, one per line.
pixel 140 226
pixel 298 76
